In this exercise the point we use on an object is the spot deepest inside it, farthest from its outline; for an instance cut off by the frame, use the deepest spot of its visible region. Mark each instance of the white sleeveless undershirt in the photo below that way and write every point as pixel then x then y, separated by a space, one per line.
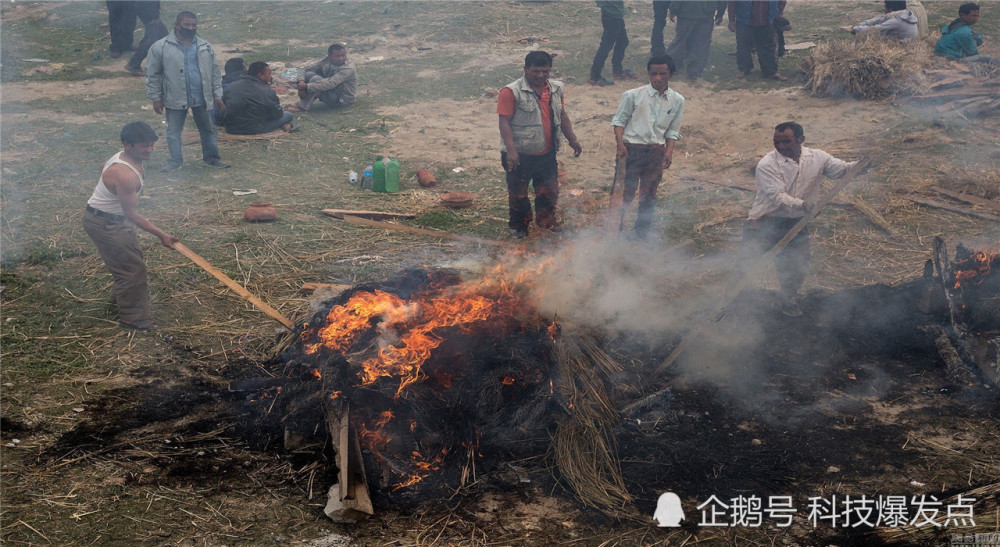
pixel 103 199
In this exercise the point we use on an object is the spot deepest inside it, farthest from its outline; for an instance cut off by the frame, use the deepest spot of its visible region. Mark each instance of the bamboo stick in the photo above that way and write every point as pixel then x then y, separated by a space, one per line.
pixel 227 281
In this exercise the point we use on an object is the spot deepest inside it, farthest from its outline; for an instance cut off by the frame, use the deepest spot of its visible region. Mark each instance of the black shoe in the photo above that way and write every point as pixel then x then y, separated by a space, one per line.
pixel 518 234
pixel 134 70
pixel 219 164
pixel 601 82
pixel 170 166
pixel 625 75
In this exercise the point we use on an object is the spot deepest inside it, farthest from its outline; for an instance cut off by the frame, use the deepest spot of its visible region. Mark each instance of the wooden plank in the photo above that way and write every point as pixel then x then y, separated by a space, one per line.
pixel 310 287
pixel 953 209
pixel 373 215
pixel 422 231
pixel 353 501
pixel 236 287
pixel 862 207
pixel 968 198
pixel 727 184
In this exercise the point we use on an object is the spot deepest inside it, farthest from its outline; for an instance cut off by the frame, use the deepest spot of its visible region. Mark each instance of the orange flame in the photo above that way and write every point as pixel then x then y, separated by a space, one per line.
pixel 508 380
pixel 316 374
pixel 974 269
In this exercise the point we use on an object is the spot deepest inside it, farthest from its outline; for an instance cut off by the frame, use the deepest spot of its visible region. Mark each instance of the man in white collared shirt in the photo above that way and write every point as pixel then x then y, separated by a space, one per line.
pixel 788 178
pixel 646 125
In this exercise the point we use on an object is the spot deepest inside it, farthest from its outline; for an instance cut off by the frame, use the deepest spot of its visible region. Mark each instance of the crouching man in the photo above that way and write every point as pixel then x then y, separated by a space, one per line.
pixel 110 220
pixel 332 79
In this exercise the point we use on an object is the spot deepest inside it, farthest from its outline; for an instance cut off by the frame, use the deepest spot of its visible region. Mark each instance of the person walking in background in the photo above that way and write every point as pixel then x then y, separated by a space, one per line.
pixel 182 74
pixel 332 79
pixel 121 26
pixel 753 23
pixel 613 38
pixel 646 126
pixel 110 220
pixel 531 114
pixel 693 39
pixel 656 43
pixel 149 13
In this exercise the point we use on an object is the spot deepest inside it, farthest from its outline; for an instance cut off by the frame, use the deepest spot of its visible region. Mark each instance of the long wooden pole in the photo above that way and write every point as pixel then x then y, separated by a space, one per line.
pixel 749 274
pixel 226 280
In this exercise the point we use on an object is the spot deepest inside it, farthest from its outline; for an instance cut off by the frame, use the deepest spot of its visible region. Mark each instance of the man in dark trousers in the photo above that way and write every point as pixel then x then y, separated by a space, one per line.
pixel 696 19
pixel 614 40
pixel 788 179
pixel 111 218
pixel 121 26
pixel 252 106
pixel 753 23
pixel 149 13
pixel 532 113
pixel 182 73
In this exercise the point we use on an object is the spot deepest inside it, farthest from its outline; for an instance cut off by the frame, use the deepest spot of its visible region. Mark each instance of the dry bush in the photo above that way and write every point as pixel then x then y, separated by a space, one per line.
pixel 867 66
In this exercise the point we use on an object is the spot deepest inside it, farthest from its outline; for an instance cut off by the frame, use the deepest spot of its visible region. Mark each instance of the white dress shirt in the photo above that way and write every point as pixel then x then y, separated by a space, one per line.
pixel 785 184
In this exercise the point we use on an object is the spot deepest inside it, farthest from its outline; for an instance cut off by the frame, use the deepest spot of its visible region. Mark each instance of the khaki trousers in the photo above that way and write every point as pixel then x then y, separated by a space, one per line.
pixel 118 244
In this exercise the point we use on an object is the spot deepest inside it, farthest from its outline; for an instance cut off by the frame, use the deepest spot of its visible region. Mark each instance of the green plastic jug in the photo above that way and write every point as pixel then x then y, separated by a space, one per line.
pixel 392 176
pixel 378 183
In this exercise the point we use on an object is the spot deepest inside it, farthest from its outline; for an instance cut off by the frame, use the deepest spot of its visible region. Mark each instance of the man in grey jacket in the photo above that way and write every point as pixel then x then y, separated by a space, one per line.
pixel 897 23
pixel 332 79
pixel 182 73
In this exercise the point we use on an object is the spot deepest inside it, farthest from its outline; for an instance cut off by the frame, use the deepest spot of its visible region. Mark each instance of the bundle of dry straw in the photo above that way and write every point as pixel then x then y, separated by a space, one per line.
pixel 583 446
pixel 867 66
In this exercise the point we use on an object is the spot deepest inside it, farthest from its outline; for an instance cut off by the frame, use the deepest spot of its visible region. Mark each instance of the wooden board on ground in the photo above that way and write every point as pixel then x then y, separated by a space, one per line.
pixel 968 198
pixel 372 215
pixel 946 207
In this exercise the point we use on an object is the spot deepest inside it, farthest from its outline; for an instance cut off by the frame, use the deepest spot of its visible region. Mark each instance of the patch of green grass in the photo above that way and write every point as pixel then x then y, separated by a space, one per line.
pixel 443 220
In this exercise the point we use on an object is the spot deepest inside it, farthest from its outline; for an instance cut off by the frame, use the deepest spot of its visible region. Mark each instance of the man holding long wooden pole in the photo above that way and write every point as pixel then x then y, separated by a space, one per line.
pixel 110 220
pixel 788 178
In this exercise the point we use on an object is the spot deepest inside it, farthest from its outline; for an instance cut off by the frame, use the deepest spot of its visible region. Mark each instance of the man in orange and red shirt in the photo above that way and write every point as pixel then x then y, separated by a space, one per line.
pixel 532 112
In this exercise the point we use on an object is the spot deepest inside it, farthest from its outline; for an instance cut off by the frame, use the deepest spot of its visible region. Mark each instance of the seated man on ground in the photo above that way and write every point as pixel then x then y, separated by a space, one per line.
pixel 959 42
pixel 897 22
pixel 332 79
pixel 252 107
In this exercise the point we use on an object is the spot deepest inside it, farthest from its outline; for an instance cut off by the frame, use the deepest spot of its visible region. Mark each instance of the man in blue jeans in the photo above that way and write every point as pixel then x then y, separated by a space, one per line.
pixel 182 74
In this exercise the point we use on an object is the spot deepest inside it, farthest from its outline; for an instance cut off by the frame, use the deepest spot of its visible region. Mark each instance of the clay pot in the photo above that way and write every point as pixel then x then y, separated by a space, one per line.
pixel 260 211
pixel 457 200
pixel 425 178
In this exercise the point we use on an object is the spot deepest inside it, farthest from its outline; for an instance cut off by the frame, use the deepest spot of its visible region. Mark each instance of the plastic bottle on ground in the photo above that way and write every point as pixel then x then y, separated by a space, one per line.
pixel 369 178
pixel 378 184
pixel 392 175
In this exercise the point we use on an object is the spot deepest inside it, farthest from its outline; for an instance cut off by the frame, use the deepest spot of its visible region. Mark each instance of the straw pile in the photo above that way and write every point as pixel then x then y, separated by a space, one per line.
pixel 867 67
pixel 583 446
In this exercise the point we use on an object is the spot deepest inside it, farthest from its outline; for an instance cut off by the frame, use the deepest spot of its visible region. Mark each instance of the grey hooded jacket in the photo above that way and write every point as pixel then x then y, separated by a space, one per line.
pixel 165 79
pixel 898 25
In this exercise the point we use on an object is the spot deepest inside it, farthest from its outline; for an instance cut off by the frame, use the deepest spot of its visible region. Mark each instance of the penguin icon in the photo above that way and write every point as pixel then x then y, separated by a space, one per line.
pixel 669 512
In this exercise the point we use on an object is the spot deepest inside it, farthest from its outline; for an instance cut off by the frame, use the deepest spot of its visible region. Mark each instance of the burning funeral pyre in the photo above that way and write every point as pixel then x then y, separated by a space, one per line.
pixel 435 379
pixel 971 286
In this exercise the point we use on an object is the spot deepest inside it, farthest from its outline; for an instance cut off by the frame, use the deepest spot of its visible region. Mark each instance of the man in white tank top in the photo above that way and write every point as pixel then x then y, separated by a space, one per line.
pixel 110 220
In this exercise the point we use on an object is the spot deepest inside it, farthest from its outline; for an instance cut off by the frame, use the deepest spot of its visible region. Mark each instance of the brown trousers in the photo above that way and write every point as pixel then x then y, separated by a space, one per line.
pixel 118 244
